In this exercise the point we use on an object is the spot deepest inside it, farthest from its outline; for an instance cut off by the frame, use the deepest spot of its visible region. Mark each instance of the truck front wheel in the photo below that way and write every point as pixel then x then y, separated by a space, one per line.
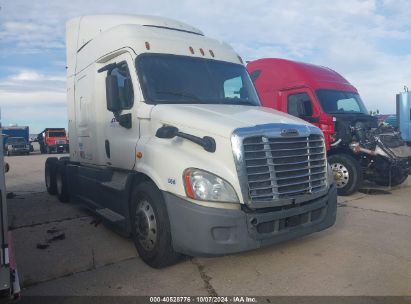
pixel 347 173
pixel 50 174
pixel 150 225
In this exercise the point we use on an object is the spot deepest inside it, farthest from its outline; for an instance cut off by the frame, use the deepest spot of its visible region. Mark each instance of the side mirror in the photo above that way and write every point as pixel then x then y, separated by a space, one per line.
pixel 113 102
pixel 167 132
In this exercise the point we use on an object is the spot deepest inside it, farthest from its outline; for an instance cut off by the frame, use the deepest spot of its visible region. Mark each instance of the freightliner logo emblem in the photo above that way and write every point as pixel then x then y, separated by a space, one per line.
pixel 289 132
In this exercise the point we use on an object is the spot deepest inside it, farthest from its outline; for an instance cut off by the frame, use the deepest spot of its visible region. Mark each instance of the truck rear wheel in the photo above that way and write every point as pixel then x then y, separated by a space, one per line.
pixel 150 225
pixel 347 173
pixel 50 174
pixel 61 182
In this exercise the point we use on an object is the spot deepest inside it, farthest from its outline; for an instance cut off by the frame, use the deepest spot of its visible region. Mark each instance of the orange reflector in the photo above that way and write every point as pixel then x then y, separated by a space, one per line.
pixel 211 53
pixel 202 51
pixel 147 45
pixel 191 50
pixel 187 184
pixel 239 58
pixel 139 155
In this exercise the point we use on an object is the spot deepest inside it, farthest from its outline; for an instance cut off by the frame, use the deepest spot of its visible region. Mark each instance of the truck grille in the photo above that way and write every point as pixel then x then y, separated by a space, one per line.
pixel 284 167
pixel 60 142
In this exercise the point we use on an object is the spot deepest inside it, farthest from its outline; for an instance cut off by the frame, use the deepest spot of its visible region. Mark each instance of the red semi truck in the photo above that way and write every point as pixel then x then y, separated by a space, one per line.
pixel 357 146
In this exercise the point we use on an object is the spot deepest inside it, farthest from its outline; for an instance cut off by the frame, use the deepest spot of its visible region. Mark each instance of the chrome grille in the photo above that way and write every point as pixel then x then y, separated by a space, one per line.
pixel 284 167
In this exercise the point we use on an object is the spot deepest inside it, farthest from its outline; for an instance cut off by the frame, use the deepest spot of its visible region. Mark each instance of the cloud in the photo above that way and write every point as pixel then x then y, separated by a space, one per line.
pixel 31 87
pixel 31 75
pixel 363 40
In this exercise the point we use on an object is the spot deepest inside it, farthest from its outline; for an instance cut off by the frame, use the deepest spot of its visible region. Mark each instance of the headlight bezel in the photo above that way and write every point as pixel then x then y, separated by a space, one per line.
pixel 190 173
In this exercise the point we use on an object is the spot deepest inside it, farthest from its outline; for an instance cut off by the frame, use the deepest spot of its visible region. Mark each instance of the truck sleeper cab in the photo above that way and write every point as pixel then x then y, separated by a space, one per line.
pixel 168 142
pixel 357 147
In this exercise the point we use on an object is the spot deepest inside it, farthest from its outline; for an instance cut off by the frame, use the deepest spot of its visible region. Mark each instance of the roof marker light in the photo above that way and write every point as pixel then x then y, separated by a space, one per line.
pixel 202 51
pixel 147 45
pixel 211 53
pixel 191 50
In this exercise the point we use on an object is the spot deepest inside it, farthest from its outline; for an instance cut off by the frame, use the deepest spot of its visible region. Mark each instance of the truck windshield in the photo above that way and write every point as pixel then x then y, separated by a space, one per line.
pixel 172 79
pixel 57 134
pixel 335 102
pixel 16 140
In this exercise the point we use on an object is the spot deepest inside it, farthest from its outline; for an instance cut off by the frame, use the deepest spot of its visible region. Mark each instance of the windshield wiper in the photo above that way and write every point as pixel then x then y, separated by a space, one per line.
pixel 180 94
pixel 234 101
pixel 245 101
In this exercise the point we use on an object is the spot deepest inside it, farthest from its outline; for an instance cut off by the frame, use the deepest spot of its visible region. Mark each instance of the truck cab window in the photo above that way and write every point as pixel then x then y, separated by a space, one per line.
pixel 300 105
pixel 176 79
pixel 125 87
pixel 233 87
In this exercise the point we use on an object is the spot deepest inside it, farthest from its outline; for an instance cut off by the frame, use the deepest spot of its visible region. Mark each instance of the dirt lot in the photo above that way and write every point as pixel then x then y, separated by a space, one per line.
pixel 367 252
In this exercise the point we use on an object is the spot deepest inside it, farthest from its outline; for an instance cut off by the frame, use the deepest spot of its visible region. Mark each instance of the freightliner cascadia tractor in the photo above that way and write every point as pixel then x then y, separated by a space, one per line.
pixel 168 142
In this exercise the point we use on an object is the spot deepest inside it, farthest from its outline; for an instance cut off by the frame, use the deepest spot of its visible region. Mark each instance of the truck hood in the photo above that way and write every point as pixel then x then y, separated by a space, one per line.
pixel 219 119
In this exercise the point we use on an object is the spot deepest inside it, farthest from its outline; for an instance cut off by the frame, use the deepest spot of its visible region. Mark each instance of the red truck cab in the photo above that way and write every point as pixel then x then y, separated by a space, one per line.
pixel 321 96
pixel 53 140
pixel 291 87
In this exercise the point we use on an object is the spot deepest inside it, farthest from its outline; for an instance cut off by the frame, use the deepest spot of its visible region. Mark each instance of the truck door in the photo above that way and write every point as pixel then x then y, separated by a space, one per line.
pixel 120 138
pixel 299 103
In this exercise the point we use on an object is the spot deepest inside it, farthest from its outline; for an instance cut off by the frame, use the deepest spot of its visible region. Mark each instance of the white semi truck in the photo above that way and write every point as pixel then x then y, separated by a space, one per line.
pixel 169 143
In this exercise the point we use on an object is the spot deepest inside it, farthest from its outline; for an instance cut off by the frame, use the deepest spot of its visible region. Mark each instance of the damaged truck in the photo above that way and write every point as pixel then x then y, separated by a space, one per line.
pixel 358 148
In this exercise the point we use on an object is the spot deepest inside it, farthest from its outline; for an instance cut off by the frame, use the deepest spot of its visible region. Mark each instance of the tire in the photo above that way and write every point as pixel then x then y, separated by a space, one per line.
pixel 61 182
pixel 50 175
pixel 347 173
pixel 397 178
pixel 150 226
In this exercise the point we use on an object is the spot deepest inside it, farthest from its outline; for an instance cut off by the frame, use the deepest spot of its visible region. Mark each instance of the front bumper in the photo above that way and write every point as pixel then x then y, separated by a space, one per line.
pixel 19 150
pixel 403 164
pixel 59 148
pixel 206 231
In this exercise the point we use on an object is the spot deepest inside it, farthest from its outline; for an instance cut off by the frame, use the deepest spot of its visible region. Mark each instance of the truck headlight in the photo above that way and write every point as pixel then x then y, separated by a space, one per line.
pixel 205 186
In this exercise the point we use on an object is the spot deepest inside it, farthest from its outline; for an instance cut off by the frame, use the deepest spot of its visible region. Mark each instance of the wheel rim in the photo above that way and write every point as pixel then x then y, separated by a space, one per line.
pixel 59 184
pixel 341 175
pixel 146 225
pixel 48 178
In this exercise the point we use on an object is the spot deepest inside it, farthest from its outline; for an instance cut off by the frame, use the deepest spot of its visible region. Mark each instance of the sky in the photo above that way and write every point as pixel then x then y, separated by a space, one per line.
pixel 368 42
